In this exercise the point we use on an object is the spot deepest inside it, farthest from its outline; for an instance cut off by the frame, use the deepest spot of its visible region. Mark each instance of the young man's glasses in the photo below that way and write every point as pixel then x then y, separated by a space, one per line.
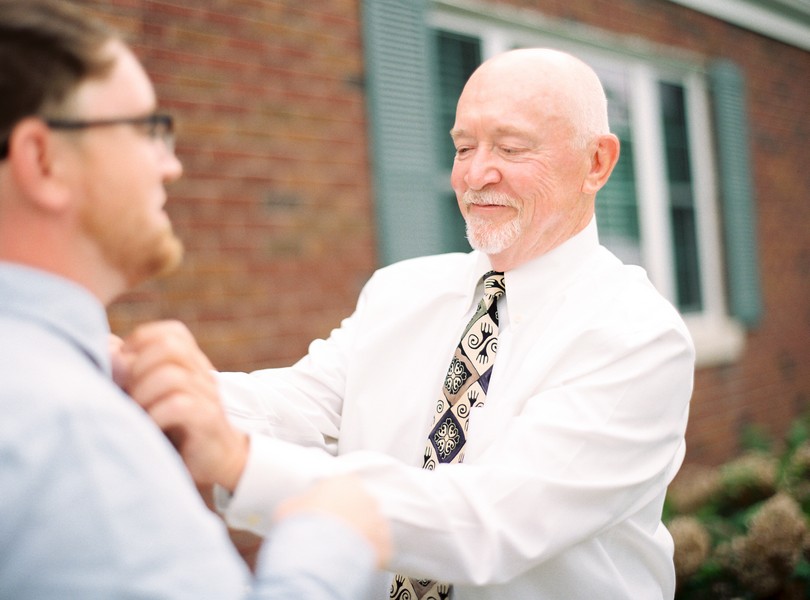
pixel 157 126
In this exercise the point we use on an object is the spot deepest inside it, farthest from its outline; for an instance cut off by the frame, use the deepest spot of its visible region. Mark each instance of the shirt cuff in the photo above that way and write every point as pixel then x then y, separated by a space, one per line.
pixel 274 471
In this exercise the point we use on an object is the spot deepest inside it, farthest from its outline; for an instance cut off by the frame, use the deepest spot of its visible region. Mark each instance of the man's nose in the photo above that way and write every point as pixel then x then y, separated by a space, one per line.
pixel 172 167
pixel 482 170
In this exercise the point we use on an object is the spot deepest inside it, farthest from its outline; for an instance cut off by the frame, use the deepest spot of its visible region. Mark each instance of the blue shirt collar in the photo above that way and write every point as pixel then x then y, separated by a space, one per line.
pixel 58 304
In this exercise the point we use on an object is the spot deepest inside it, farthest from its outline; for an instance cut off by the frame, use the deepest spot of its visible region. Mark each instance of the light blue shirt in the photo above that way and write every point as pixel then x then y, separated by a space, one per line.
pixel 94 501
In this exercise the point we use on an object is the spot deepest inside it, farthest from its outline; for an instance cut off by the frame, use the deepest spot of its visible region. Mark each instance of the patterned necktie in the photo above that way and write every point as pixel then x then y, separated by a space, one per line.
pixel 465 386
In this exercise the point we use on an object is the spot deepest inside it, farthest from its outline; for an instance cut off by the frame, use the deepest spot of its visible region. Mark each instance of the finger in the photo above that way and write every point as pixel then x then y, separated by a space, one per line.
pixel 165 345
pixel 121 361
pixel 158 329
pixel 152 387
pixel 114 343
pixel 175 411
pixel 173 333
pixel 164 380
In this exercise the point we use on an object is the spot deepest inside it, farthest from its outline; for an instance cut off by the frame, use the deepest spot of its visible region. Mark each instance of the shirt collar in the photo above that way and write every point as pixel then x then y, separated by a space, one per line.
pixel 64 307
pixel 549 275
pixel 472 285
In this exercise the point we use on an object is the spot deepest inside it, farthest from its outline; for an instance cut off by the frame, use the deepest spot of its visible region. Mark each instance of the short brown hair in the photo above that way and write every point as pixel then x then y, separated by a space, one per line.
pixel 47 48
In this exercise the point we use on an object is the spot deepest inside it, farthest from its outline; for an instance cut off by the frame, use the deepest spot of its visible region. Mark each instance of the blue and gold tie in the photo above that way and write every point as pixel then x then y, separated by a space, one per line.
pixel 465 387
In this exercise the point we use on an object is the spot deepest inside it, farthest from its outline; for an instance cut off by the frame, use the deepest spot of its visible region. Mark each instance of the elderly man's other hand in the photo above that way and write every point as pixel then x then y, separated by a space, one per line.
pixel 345 498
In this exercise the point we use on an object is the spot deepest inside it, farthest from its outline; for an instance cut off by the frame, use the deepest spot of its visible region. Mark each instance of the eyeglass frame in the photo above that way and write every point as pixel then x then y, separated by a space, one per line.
pixel 160 125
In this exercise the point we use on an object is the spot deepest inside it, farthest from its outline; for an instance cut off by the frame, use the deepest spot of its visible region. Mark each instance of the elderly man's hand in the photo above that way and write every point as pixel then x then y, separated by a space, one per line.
pixel 163 369
pixel 344 498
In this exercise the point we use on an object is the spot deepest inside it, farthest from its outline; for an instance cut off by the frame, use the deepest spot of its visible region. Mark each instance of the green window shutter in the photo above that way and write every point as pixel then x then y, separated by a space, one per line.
pixel 736 192
pixel 401 115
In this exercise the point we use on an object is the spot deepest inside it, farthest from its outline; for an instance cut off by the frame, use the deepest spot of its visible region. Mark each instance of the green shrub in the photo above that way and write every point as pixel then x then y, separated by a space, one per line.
pixel 741 530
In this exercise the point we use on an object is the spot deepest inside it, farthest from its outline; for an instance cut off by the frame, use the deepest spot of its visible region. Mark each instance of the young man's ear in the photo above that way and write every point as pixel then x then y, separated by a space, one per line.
pixel 603 159
pixel 37 164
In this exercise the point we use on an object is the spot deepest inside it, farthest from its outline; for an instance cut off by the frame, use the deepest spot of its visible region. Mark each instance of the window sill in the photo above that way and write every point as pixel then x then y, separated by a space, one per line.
pixel 718 339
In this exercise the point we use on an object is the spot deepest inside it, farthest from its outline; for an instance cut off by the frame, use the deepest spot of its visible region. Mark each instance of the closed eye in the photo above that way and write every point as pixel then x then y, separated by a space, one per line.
pixel 510 150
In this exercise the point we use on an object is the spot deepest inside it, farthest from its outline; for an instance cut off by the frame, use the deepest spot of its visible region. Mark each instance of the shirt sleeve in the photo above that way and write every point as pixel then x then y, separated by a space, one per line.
pixel 314 557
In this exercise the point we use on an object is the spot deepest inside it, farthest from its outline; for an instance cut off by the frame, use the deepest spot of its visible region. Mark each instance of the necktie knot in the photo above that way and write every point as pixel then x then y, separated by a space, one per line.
pixel 494 285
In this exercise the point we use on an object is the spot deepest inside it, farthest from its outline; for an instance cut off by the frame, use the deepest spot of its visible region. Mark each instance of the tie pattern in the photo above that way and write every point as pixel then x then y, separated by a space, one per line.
pixel 465 387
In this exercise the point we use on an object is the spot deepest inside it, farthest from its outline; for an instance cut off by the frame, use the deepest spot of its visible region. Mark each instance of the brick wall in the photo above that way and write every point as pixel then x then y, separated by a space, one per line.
pixel 276 206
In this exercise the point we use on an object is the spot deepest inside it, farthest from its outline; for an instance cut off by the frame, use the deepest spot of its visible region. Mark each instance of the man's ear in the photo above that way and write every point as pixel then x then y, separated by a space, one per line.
pixel 37 165
pixel 603 159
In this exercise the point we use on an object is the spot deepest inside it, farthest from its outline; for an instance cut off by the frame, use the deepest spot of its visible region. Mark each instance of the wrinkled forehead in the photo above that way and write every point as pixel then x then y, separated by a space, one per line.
pixel 510 97
pixel 531 88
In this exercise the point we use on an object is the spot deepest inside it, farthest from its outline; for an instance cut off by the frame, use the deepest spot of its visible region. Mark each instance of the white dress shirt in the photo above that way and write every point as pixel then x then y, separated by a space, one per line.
pixel 567 463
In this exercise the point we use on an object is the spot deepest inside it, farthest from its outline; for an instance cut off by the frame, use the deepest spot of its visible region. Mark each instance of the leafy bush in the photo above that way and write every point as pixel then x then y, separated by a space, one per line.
pixel 741 530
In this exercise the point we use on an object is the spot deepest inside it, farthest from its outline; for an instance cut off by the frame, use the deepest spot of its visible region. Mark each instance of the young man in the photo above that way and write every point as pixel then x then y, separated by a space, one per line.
pixel 95 502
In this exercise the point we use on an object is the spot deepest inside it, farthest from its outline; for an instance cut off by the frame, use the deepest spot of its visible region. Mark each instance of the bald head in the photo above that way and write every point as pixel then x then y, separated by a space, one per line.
pixel 558 85
pixel 532 149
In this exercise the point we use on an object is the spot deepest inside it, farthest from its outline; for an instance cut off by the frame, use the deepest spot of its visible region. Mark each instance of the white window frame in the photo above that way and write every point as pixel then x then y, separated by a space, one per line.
pixel 718 337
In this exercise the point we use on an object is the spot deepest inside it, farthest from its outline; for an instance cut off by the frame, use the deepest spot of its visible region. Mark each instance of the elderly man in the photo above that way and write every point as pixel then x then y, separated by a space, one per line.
pixel 95 503
pixel 530 459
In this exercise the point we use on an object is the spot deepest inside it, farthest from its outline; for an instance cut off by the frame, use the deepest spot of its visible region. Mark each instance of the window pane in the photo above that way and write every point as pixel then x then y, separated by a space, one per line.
pixel 458 56
pixel 681 197
pixel 616 203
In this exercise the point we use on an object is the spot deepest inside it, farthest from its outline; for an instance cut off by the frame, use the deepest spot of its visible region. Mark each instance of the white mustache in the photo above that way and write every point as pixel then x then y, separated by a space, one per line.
pixel 487 198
